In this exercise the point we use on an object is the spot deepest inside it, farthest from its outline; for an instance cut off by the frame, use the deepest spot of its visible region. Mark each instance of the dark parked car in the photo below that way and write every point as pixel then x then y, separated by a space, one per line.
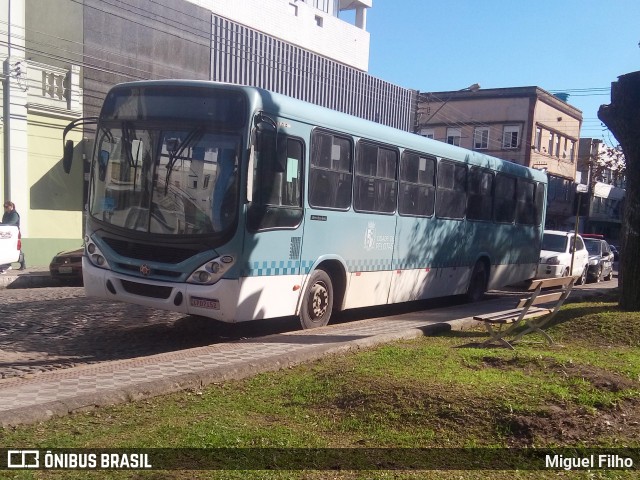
pixel 616 252
pixel 67 266
pixel 600 260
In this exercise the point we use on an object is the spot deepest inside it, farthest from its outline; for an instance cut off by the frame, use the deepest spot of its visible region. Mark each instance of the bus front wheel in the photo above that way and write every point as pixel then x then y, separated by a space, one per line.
pixel 317 302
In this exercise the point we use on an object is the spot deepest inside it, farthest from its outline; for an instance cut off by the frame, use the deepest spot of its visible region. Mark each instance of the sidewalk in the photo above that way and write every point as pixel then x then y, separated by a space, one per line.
pixel 30 277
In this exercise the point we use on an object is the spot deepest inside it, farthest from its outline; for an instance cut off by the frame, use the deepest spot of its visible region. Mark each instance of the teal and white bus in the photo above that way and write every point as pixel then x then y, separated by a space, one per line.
pixel 236 203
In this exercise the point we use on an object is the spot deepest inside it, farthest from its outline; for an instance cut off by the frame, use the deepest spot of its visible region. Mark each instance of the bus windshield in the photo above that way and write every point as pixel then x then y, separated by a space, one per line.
pixel 165 180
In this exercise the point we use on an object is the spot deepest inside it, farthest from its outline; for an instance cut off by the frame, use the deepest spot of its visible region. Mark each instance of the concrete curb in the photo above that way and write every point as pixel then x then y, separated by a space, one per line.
pixel 28 279
pixel 198 380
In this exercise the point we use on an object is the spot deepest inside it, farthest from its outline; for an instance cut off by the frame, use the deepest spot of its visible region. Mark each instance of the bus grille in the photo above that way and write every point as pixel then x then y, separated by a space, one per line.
pixel 158 253
pixel 153 291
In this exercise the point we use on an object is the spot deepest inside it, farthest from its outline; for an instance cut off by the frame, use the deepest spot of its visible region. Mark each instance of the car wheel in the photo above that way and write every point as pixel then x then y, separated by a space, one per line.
pixel 583 278
pixel 599 274
pixel 609 275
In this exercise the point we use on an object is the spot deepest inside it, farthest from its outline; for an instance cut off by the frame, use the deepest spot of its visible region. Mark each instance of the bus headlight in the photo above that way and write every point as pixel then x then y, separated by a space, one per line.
pixel 94 254
pixel 212 271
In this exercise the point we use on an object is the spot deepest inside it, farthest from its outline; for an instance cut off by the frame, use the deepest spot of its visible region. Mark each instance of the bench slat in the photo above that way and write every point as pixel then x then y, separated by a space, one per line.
pixel 543 298
pixel 510 316
pixel 551 282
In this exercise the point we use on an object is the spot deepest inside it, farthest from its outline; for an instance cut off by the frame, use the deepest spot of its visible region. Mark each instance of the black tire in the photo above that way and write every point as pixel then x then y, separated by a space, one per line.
pixel 566 272
pixel 477 282
pixel 317 302
pixel 599 275
pixel 610 276
pixel 583 278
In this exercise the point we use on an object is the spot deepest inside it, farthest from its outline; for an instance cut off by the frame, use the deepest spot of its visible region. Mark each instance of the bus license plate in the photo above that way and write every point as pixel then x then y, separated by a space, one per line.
pixel 200 302
pixel 65 270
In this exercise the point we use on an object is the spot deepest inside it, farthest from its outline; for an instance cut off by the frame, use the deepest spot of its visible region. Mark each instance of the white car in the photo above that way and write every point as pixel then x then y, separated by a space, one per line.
pixel 10 244
pixel 555 256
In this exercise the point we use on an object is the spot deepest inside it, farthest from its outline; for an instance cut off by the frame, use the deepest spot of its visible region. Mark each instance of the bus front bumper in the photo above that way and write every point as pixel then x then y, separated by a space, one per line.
pixel 217 301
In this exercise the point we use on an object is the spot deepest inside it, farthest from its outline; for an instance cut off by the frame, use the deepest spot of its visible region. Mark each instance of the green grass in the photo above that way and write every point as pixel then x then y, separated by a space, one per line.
pixel 429 392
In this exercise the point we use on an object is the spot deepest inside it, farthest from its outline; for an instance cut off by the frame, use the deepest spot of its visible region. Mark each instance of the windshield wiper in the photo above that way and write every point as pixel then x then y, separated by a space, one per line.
pixel 194 134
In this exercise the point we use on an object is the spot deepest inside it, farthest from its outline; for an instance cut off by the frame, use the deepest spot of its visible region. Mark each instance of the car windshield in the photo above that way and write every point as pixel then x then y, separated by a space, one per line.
pixel 594 247
pixel 554 243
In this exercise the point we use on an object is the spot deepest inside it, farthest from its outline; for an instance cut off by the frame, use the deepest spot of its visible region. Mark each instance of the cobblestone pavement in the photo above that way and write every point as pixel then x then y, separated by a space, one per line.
pixel 47 329
pixel 44 329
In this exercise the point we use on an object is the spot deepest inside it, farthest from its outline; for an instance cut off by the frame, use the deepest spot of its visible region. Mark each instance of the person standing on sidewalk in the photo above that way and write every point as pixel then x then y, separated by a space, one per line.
pixel 11 217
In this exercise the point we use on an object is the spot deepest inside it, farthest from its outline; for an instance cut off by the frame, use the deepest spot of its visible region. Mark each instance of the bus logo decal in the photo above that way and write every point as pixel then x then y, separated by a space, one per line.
pixel 370 236
pixel 145 270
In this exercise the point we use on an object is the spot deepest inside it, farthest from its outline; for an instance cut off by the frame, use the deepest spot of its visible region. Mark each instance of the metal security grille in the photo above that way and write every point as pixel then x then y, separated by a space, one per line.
pixel 245 56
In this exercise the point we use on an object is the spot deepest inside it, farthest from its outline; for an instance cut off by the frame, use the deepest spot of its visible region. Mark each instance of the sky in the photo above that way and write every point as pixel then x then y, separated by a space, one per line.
pixel 573 46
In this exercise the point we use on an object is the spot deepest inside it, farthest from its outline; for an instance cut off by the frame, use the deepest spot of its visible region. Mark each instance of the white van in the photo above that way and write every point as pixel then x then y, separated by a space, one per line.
pixel 10 244
pixel 555 256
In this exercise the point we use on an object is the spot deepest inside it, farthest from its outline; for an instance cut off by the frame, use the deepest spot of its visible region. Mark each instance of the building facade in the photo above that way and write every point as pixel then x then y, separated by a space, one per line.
pixel 524 125
pixel 60 57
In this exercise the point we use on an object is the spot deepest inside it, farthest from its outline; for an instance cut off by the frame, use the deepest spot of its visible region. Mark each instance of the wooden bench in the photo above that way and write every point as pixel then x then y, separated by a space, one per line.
pixel 528 313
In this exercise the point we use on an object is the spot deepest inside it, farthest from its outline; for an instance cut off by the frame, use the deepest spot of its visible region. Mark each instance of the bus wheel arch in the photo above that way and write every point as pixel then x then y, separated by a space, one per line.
pixel 479 280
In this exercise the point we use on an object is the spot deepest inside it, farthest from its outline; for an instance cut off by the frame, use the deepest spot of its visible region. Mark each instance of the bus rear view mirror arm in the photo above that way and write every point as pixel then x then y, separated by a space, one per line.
pixel 67 158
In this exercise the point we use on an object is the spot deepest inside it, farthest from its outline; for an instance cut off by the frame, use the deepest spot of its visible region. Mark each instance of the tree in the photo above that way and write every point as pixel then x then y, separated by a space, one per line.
pixel 622 117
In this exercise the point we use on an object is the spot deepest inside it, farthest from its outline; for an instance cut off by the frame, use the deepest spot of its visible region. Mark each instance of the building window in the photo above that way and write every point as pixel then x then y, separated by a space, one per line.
pixel 511 136
pixel 550 149
pixel 453 136
pixel 481 138
pixel 538 139
pixel 572 145
pixel 557 145
pixel 427 132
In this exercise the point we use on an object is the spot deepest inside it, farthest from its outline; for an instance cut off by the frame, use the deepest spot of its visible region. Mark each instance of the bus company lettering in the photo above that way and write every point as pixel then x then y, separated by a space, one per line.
pixel 376 242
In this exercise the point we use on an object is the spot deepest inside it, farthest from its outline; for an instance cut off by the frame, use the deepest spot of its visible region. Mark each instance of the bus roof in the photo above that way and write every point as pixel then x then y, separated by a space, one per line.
pixel 289 107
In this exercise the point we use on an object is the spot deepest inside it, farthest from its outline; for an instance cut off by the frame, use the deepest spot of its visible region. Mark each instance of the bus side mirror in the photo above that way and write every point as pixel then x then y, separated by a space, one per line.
pixel 67 158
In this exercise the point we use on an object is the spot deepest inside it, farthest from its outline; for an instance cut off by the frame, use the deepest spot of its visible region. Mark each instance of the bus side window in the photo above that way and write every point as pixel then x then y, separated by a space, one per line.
pixel 480 200
pixel 417 185
pixel 277 184
pixel 505 199
pixel 375 185
pixel 451 196
pixel 539 203
pixel 330 175
pixel 525 207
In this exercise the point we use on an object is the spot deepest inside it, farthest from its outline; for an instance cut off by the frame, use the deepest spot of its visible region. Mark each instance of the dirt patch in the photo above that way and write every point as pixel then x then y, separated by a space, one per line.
pixel 569 426
pixel 599 378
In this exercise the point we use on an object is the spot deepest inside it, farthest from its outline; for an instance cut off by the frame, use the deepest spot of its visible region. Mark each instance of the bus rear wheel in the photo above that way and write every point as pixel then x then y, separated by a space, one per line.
pixel 477 283
pixel 317 302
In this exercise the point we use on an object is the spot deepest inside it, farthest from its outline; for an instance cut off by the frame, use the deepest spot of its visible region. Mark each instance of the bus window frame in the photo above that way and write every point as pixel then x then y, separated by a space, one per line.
pixel 492 173
pixel 455 164
pixel 256 207
pixel 429 157
pixel 334 133
pixel 378 145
